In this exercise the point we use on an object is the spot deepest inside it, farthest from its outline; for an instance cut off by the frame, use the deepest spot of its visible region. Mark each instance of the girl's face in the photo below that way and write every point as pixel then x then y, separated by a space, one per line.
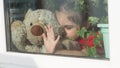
pixel 69 26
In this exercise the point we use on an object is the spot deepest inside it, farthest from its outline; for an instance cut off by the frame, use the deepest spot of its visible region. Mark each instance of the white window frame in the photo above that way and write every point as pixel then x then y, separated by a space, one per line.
pixel 39 60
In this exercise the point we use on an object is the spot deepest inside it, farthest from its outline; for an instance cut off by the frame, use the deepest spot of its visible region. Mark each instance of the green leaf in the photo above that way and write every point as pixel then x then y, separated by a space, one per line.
pixel 95 3
pixel 97 42
pixel 93 20
pixel 88 51
pixel 93 51
pixel 79 3
pixel 88 34
pixel 81 32
pixel 104 19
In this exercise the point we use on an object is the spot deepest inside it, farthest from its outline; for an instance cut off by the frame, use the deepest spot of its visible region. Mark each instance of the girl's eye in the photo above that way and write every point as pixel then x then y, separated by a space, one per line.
pixel 31 24
pixel 68 26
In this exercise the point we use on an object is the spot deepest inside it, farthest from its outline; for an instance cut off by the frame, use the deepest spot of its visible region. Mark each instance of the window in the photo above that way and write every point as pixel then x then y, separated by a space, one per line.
pixel 25 22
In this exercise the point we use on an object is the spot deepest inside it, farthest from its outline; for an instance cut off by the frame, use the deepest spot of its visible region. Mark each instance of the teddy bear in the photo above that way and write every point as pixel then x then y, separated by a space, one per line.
pixel 27 34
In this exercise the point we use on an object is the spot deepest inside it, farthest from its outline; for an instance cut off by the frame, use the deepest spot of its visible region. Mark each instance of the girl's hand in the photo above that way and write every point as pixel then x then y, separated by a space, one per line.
pixel 49 40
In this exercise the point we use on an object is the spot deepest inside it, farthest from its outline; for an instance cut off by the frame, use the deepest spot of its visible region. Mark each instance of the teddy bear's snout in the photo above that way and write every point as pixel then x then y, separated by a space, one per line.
pixel 37 30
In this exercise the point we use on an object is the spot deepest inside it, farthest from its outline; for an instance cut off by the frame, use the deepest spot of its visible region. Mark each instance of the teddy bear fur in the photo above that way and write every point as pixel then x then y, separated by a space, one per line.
pixel 27 34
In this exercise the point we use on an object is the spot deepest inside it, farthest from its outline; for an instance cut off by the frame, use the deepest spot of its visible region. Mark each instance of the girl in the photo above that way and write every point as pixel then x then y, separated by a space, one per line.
pixel 70 20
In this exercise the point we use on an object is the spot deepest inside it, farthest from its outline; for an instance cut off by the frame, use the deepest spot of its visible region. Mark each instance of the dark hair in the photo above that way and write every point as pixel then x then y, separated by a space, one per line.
pixel 69 6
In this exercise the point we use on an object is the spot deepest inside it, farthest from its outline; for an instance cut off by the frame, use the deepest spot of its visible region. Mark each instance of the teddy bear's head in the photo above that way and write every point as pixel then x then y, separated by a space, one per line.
pixel 35 21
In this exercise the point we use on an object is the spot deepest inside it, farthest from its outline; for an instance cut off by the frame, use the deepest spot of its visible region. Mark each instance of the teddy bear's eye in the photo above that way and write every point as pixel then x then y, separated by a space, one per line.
pixel 31 24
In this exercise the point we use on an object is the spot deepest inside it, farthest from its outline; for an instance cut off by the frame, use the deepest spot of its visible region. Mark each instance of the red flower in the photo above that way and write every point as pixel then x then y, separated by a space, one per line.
pixel 91 37
pixel 90 41
pixel 82 41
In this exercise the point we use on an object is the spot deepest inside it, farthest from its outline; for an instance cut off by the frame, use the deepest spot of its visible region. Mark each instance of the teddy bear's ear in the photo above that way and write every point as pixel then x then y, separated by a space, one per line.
pixel 16 24
pixel 28 12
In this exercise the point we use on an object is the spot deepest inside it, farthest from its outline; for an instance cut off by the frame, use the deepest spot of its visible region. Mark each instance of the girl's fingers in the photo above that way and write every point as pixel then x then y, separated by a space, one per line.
pixel 52 35
pixel 49 39
pixel 49 26
pixel 50 32
pixel 58 38
pixel 44 37
pixel 46 28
